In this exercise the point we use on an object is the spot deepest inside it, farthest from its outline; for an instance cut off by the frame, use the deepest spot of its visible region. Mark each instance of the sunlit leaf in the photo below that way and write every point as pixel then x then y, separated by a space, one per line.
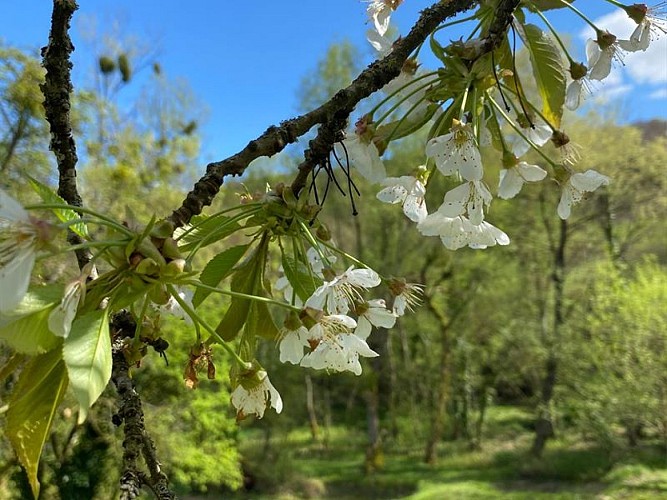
pixel 87 353
pixel 217 269
pixel 33 404
pixel 26 329
pixel 548 70
pixel 49 196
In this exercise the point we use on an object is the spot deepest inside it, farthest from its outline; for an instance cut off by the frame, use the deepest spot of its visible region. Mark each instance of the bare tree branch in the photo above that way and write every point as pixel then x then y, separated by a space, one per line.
pixel 57 88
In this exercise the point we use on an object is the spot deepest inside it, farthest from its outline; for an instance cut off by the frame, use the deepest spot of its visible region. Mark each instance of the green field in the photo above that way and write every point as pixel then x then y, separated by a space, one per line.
pixel 502 468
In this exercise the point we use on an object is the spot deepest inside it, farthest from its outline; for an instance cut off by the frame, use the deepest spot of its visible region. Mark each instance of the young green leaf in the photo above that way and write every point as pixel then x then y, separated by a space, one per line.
pixel 247 279
pixel 217 269
pixel 26 329
pixel 548 70
pixel 87 354
pixel 35 399
pixel 48 196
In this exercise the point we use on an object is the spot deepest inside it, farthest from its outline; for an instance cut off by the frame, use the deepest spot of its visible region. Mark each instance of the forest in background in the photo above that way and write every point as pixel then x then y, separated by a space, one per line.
pixel 539 365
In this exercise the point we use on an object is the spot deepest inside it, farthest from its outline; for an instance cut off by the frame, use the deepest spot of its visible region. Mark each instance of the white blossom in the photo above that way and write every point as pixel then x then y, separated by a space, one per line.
pixel 336 295
pixel 409 192
pixel 379 42
pixel 512 179
pixel 649 25
pixel 292 344
pixel 174 308
pixel 601 53
pixel 362 154
pixel 334 347
pixel 373 313
pixel 458 232
pixel 536 132
pixel 20 236
pixel 576 186
pixel 469 198
pixel 406 296
pixel 457 152
pixel 254 398
pixel 380 12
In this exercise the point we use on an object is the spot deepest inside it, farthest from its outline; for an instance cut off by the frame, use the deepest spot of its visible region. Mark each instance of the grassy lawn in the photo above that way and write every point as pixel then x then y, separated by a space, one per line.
pixel 294 467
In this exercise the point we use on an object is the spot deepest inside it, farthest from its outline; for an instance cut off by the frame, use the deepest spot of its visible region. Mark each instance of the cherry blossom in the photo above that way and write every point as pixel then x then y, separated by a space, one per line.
pixel 337 295
pixel 469 198
pixel 409 192
pixel 601 53
pixel 406 295
pixel 20 237
pixel 373 313
pixel 576 186
pixel 457 152
pixel 252 395
pixel 512 179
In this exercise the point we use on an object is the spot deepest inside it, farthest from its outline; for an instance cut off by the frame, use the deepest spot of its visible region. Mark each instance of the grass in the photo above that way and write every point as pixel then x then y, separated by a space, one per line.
pixel 294 467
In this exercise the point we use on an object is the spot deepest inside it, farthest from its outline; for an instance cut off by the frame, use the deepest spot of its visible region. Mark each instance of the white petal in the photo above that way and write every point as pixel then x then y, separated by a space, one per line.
pixel 531 173
pixel 10 209
pixel 292 344
pixel 573 94
pixel 392 194
pixel 381 317
pixel 15 278
pixel 363 329
pixel 455 200
pixel 510 183
pixel 565 204
pixel 588 181
pixel 415 208
pixel 592 52
pixel 366 278
pixel 602 67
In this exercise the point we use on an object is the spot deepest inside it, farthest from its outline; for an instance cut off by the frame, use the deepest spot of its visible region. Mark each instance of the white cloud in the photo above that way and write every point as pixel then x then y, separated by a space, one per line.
pixel 659 94
pixel 649 67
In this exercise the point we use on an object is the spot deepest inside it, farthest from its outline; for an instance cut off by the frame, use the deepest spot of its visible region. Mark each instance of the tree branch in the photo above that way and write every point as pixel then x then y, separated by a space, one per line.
pixel 332 113
pixel 137 441
pixel 57 88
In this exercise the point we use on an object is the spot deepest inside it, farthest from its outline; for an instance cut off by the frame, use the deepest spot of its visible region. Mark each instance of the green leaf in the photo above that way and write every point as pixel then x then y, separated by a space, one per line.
pixel 208 230
pixel 11 365
pixel 87 354
pixel 26 329
pixel 217 269
pixel 260 323
pixel 406 125
pixel 247 279
pixel 302 281
pixel 48 196
pixel 36 397
pixel 548 70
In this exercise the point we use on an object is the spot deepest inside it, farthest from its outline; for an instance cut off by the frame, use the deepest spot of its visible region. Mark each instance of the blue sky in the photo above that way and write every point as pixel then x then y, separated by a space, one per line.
pixel 245 60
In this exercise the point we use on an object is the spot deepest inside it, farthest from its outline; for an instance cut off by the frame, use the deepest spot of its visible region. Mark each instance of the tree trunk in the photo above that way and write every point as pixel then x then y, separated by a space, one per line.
pixel 310 406
pixel 544 428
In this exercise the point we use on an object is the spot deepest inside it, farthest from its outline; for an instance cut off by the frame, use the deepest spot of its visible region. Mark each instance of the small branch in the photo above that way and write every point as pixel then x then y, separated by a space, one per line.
pixel 57 89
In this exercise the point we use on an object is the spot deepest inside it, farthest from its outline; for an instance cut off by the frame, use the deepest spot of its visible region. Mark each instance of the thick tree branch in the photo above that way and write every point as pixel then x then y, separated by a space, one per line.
pixel 57 88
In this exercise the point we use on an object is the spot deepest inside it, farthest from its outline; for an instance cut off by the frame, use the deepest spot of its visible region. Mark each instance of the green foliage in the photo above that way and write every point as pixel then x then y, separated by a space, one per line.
pixel 548 70
pixel 38 392
pixel 87 354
